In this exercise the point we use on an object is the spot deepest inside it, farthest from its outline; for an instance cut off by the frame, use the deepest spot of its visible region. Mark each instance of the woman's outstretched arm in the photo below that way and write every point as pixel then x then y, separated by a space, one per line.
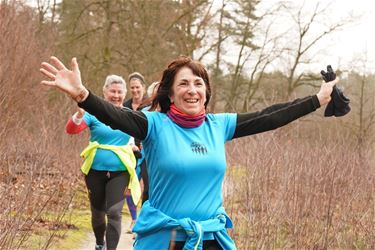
pixel 69 81
pixel 281 114
pixel 129 121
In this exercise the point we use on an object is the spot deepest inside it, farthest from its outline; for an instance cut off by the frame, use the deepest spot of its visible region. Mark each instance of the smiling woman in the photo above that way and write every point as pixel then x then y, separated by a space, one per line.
pixel 114 90
pixel 188 92
pixel 137 88
pixel 109 166
pixel 184 149
pixel 188 78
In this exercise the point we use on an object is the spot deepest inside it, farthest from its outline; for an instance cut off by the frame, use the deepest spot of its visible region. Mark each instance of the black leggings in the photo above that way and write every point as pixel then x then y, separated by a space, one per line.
pixel 106 194
pixel 144 177
pixel 207 245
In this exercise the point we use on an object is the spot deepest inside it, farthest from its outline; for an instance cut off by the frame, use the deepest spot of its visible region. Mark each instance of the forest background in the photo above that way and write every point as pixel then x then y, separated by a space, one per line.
pixel 309 185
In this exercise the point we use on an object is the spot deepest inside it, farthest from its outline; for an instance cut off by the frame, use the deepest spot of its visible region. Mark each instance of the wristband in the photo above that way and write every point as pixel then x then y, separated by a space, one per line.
pixel 82 95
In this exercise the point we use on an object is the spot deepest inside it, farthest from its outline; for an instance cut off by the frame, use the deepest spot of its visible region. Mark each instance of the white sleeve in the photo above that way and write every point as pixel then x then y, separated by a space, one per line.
pixel 76 120
pixel 131 141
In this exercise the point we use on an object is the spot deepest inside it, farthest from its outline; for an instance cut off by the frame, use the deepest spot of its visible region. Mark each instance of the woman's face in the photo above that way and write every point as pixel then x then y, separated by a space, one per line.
pixel 115 94
pixel 136 89
pixel 188 92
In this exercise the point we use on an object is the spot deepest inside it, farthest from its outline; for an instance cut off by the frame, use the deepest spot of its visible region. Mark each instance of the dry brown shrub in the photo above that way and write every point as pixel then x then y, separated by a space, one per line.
pixel 39 164
pixel 289 189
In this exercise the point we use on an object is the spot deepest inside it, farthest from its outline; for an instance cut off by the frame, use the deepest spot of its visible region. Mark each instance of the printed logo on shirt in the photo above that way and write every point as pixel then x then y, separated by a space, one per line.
pixel 198 148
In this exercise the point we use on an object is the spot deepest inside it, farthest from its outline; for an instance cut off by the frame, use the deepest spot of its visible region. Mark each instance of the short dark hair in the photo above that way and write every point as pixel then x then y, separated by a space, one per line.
pixel 169 74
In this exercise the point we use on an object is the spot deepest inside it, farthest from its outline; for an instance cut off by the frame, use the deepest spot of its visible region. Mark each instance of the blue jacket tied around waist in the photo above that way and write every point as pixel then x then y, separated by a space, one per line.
pixel 151 221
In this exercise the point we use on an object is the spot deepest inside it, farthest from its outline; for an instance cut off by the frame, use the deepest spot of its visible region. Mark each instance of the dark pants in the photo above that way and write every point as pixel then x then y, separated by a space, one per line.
pixel 207 245
pixel 106 194
pixel 144 176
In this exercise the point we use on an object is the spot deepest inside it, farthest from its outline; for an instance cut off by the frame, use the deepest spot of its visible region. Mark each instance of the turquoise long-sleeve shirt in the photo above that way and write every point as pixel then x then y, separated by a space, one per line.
pixel 186 182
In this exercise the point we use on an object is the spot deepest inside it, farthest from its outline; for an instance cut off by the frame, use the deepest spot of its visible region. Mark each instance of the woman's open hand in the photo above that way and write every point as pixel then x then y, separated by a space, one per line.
pixel 69 81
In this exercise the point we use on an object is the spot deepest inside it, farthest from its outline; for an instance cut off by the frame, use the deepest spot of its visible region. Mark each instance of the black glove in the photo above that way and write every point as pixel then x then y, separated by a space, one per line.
pixel 339 104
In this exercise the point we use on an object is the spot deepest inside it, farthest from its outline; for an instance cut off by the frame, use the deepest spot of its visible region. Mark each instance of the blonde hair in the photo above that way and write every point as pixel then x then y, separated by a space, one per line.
pixel 150 90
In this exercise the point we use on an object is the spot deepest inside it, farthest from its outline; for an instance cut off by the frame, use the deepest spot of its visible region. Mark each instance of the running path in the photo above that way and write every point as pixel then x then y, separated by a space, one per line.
pixel 126 240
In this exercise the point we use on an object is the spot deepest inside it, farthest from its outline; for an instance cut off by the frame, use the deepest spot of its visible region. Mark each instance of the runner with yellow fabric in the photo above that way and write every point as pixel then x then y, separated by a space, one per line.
pixel 109 167
pixel 125 153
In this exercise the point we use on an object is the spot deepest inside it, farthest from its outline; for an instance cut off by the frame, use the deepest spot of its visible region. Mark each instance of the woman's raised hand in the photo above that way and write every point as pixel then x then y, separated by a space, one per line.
pixel 69 81
pixel 324 94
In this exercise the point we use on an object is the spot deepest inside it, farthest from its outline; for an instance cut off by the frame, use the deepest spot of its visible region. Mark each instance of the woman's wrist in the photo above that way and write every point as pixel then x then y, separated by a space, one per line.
pixel 83 93
pixel 323 99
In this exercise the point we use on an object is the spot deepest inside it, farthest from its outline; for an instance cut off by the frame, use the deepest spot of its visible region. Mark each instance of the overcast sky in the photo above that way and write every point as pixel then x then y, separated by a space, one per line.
pixel 355 38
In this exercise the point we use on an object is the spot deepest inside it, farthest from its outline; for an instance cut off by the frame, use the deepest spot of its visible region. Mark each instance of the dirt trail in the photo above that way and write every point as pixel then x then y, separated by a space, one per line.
pixel 126 240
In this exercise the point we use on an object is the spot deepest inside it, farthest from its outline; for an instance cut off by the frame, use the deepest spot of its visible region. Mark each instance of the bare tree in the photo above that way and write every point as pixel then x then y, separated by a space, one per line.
pixel 125 36
pixel 256 46
pixel 30 179
pixel 193 17
pixel 217 72
pixel 363 92
pixel 46 10
pixel 265 55
pixel 309 29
